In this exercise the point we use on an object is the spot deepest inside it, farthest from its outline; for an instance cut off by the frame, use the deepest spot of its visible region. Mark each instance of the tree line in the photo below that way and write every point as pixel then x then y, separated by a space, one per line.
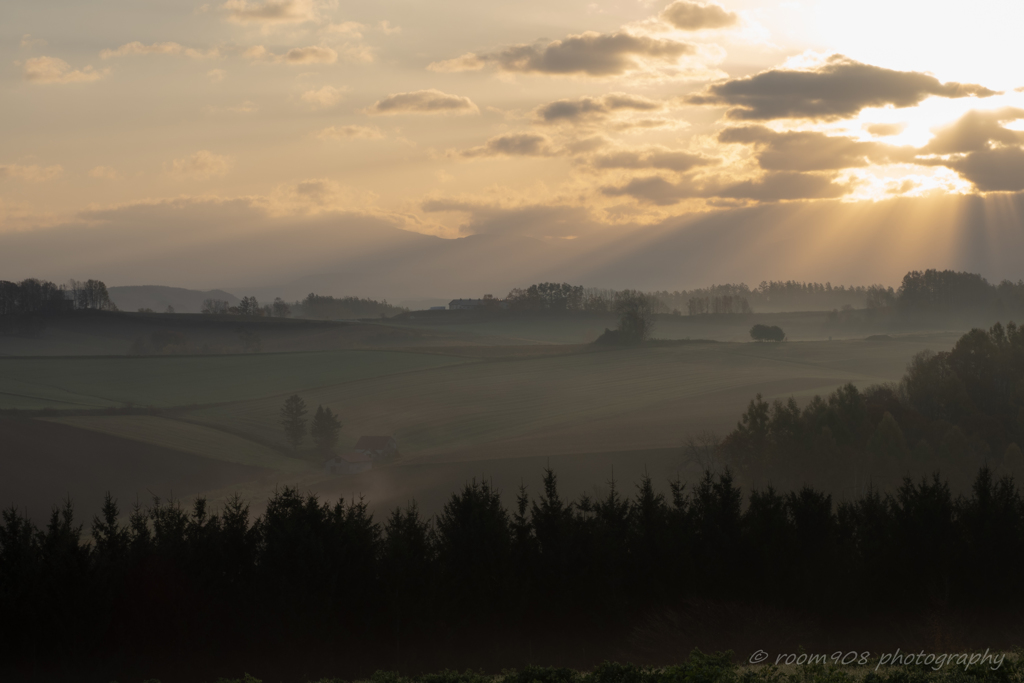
pixel 920 292
pixel 312 573
pixel 42 296
pixel 953 411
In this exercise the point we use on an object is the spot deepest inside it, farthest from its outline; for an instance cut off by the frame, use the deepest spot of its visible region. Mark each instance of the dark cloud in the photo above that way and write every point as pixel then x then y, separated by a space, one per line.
pixel 975 130
pixel 839 88
pixel 661 158
pixel 654 190
pixel 591 54
pixel 587 108
pixel 885 129
pixel 811 151
pixel 993 170
pixel 536 220
pixel 513 144
pixel 981 149
pixel 772 187
pixel 781 185
pixel 424 102
pixel 693 16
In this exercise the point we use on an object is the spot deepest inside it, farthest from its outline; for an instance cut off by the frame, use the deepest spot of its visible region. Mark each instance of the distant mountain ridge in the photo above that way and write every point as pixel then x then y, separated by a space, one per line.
pixel 159 297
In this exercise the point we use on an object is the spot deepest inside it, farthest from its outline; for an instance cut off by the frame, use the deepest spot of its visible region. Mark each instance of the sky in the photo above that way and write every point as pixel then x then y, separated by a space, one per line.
pixel 248 143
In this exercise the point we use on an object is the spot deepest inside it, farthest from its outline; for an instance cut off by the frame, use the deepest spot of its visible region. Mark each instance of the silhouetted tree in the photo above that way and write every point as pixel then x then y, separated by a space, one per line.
pixel 325 428
pixel 280 308
pixel 636 315
pixel 293 419
pixel 769 333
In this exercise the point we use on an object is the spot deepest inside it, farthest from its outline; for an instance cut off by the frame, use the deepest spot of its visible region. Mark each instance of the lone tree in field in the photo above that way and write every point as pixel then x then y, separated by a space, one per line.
pixel 293 418
pixel 636 315
pixel 765 333
pixel 325 428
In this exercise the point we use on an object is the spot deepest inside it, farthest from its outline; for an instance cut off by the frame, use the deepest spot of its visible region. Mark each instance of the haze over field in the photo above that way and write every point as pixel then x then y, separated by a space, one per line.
pixel 407 149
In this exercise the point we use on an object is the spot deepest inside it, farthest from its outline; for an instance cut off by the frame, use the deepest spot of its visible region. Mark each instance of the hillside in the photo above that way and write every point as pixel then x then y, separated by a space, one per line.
pixel 158 298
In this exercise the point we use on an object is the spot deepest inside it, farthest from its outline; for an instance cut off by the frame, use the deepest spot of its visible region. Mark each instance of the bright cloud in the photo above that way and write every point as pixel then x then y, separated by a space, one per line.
pixel 56 70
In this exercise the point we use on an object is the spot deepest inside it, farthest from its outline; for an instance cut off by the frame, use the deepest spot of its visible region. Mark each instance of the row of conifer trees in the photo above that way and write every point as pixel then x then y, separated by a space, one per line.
pixel 309 572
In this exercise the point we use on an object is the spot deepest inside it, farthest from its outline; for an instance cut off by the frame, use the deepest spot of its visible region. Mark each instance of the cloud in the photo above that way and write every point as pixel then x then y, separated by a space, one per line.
pixel 535 219
pixel 782 185
pixel 202 165
pixel 837 88
pixel 981 150
pixel 270 12
pixel 424 102
pixel 311 55
pixel 466 62
pixel 694 16
pixel 773 186
pixel 351 132
pixel 55 70
pixel 28 41
pixel 975 131
pixel 103 173
pixel 217 75
pixel 513 144
pixel 297 56
pixel 992 170
pixel 32 173
pixel 352 29
pixel 137 48
pixel 653 157
pixel 654 190
pixel 387 29
pixel 589 108
pixel 885 129
pixel 587 54
pixel 811 151
pixel 325 97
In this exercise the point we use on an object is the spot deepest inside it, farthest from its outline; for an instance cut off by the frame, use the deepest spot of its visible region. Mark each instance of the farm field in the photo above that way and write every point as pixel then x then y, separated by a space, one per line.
pixel 584 402
pixel 205 442
pixel 165 381
pixel 101 333
pixel 585 328
pixel 43 464
pixel 458 413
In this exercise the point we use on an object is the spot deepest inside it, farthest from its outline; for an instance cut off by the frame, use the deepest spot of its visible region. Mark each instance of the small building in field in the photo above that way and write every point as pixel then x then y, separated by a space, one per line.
pixel 377 447
pixel 465 304
pixel 349 463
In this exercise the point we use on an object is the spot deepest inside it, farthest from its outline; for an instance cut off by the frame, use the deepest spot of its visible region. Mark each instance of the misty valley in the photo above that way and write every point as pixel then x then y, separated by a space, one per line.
pixel 559 477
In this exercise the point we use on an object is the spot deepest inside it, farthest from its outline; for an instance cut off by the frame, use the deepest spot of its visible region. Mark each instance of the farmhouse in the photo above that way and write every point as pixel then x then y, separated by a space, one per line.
pixel 377 447
pixel 349 463
pixel 465 304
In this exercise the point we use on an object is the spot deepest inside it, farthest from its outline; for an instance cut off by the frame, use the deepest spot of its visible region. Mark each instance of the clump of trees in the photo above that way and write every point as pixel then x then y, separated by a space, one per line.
pixel 953 411
pixel 348 307
pixel 769 296
pixel 42 296
pixel 325 427
pixel 767 333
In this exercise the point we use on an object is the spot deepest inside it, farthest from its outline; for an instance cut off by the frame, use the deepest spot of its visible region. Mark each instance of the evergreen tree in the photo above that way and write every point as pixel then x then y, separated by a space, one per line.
pixel 325 428
pixel 293 418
